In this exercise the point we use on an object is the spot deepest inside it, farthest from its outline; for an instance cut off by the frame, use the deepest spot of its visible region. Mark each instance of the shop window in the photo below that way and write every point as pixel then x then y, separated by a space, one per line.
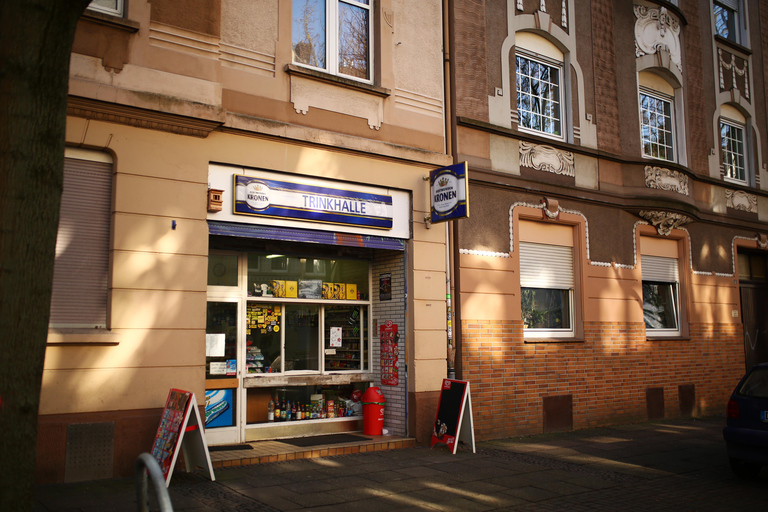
pixel 334 36
pixel 113 7
pixel 221 340
pixel 727 15
pixel 546 289
pixel 222 269
pixel 81 268
pixel 661 295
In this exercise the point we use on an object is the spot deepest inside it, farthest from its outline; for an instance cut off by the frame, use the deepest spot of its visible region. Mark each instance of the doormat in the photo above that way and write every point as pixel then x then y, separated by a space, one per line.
pixel 229 447
pixel 327 439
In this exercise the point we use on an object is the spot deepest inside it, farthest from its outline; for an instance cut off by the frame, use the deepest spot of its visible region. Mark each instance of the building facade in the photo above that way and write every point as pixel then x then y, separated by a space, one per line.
pixel 613 266
pixel 243 218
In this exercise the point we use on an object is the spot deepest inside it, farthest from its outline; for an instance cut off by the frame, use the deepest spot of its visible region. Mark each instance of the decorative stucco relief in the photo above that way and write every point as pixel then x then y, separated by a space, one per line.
pixel 543 8
pixel 735 70
pixel 656 29
pixel 666 179
pixel 739 200
pixel 306 94
pixel 664 222
pixel 546 158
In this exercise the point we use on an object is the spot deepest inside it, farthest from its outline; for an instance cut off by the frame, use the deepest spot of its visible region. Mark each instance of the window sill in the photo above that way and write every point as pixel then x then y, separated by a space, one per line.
pixel 667 338
pixel 109 20
pixel 733 45
pixel 270 380
pixel 320 76
pixel 553 340
pixel 63 337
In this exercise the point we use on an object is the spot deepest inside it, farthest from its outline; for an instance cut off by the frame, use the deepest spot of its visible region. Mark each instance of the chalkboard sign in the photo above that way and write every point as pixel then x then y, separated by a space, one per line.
pixel 453 421
pixel 180 416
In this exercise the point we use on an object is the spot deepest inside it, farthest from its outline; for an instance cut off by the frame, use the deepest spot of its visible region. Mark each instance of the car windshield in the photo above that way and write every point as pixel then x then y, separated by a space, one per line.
pixel 756 384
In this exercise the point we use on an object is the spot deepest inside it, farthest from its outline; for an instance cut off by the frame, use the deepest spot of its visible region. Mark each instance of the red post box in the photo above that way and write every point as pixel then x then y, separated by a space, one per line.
pixel 373 411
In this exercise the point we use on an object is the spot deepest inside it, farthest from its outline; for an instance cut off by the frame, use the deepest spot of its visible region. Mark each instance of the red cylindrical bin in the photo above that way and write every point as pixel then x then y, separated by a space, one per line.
pixel 373 412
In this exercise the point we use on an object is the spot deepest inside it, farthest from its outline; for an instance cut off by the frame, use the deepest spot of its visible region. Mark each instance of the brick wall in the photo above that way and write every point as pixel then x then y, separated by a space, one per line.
pixel 607 374
pixel 395 420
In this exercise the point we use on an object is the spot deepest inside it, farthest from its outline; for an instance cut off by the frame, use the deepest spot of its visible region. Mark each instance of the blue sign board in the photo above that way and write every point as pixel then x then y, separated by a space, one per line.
pixel 448 193
pixel 296 201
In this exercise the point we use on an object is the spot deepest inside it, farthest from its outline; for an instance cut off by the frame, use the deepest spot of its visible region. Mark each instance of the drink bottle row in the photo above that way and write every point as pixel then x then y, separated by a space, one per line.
pixel 284 410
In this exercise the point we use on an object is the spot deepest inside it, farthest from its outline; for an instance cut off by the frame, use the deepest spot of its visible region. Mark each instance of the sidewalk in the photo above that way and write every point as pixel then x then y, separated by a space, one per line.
pixel 670 465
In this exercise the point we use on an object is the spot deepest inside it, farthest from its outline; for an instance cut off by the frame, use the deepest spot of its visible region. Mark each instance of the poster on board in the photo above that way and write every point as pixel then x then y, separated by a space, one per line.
pixel 181 427
pixel 453 421
pixel 389 353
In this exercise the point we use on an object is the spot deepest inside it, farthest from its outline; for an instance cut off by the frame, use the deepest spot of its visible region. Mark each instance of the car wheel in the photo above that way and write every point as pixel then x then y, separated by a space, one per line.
pixel 745 469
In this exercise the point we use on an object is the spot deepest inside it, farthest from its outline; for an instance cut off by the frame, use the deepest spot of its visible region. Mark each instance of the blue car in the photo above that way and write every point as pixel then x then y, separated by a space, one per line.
pixel 746 431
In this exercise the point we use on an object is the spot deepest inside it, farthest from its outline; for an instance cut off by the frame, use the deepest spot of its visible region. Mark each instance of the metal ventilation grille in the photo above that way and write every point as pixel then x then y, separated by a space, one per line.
pixel 90 451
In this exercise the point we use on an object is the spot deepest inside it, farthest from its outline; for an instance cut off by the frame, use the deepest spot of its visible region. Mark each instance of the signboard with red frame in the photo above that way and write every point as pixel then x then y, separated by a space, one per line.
pixel 389 351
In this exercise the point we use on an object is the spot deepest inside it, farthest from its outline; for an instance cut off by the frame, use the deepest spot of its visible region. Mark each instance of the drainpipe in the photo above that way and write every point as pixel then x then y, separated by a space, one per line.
pixel 451 232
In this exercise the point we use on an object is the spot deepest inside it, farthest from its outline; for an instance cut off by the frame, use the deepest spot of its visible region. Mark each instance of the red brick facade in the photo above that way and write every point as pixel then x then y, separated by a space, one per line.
pixel 607 374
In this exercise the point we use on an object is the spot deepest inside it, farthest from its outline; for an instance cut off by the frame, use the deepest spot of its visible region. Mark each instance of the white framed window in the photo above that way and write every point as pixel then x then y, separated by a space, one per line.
pixel 81 269
pixel 732 150
pixel 657 125
pixel 539 95
pixel 113 7
pixel 334 36
pixel 661 295
pixel 546 289
pixel 727 14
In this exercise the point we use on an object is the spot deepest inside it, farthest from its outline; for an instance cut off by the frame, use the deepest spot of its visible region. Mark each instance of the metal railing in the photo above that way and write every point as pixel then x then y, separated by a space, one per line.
pixel 147 463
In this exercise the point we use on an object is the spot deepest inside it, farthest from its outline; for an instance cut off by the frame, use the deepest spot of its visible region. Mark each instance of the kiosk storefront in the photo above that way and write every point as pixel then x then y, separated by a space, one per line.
pixel 290 340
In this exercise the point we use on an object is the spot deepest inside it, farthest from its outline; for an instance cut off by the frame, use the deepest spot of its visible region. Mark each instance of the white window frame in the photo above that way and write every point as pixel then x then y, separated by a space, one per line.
pixel 561 119
pixel 332 39
pixel 545 266
pixel 744 180
pixel 659 96
pixel 735 9
pixel 117 11
pixel 665 270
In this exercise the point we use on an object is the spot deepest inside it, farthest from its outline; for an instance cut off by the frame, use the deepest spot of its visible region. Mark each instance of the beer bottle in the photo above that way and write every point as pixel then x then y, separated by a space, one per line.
pixel 278 411
pixel 288 416
pixel 294 412
pixel 271 410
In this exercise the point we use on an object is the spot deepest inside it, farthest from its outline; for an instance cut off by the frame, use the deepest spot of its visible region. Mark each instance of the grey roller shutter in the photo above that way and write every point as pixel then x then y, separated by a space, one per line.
pixel 659 269
pixel 81 270
pixel 546 266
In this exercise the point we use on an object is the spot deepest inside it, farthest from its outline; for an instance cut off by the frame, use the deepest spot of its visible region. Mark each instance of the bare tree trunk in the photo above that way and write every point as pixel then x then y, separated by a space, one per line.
pixel 37 40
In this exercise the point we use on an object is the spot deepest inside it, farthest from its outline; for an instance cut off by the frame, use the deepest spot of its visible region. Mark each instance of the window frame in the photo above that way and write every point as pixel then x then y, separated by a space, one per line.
pixel 737 12
pixel 521 53
pixel 657 332
pixel 119 11
pixel 658 96
pixel 745 179
pixel 548 332
pixel 332 39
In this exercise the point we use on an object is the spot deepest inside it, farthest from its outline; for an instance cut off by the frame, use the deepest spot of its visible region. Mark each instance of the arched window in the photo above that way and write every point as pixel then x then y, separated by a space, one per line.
pixel 661 125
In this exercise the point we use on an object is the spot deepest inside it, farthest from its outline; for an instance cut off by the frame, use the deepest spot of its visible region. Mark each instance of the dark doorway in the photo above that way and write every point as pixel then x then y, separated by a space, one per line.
pixel 753 288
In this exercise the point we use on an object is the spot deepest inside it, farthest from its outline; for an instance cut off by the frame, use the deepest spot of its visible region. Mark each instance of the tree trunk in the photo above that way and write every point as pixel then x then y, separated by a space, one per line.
pixel 37 40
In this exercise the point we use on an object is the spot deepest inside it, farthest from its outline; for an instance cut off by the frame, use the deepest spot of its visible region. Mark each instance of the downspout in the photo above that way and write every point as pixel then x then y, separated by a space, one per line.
pixel 451 232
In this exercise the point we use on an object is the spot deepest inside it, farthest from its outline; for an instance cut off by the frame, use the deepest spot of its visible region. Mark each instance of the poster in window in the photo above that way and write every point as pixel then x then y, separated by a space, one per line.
pixel 389 352
pixel 335 336
pixel 385 286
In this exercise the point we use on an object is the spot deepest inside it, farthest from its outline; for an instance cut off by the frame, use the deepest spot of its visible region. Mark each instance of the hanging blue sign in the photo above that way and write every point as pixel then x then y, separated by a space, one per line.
pixel 297 201
pixel 448 193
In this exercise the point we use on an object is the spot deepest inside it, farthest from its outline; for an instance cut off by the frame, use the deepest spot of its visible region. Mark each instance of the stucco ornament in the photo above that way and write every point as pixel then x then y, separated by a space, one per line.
pixel 735 70
pixel 739 200
pixel 655 29
pixel 666 179
pixel 664 222
pixel 546 158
